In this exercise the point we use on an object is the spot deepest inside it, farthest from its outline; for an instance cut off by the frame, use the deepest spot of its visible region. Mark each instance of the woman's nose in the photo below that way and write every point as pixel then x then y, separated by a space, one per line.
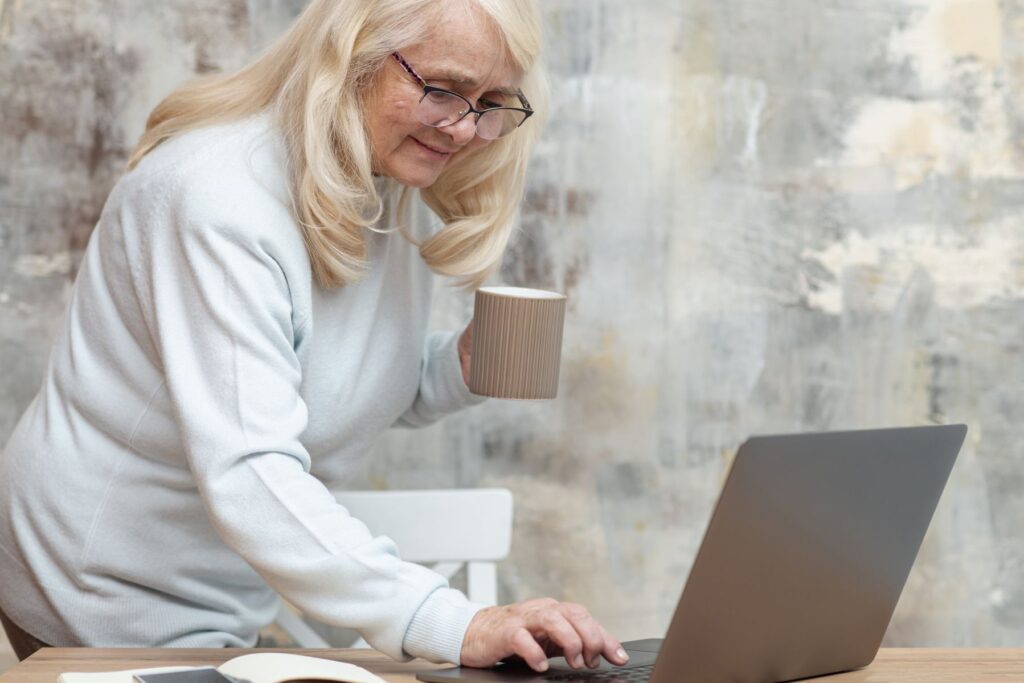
pixel 463 131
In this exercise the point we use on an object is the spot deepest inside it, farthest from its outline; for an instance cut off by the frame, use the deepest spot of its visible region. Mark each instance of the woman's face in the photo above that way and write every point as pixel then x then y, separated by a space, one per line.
pixel 464 54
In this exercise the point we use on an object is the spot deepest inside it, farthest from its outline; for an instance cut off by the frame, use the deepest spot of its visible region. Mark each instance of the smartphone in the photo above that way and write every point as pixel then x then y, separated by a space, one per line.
pixel 204 675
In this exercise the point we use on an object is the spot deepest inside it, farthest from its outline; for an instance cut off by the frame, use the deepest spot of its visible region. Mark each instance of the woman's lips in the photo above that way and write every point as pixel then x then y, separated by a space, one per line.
pixel 438 153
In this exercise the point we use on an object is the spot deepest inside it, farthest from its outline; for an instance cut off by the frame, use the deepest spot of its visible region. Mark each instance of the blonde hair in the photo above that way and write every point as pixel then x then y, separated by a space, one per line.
pixel 313 79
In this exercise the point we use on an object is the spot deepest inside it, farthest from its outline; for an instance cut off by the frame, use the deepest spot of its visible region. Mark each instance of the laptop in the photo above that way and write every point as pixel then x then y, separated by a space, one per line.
pixel 801 565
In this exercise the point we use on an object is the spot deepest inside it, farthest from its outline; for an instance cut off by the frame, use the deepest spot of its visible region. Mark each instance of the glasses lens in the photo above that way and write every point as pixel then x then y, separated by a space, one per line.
pixel 494 124
pixel 439 109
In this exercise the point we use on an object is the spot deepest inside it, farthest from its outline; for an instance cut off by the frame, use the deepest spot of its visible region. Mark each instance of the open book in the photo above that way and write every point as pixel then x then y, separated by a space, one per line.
pixel 262 667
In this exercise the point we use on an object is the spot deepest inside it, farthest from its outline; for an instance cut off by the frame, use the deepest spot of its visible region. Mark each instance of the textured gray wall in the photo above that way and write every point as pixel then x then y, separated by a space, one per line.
pixel 769 216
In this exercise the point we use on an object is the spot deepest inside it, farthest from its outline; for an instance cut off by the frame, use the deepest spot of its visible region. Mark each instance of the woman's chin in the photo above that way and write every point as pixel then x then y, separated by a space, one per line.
pixel 416 177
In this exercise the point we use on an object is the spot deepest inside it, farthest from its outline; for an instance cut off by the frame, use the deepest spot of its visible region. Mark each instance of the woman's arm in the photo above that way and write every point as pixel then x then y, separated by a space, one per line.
pixel 444 375
pixel 216 302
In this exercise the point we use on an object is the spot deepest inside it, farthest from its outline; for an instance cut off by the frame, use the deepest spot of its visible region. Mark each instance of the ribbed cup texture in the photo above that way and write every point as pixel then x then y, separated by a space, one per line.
pixel 517 345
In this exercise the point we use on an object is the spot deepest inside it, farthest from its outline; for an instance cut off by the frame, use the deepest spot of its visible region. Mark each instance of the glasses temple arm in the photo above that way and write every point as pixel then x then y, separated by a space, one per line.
pixel 409 69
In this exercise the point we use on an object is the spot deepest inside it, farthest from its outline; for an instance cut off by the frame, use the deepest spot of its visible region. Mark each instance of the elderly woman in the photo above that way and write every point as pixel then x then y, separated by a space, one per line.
pixel 250 314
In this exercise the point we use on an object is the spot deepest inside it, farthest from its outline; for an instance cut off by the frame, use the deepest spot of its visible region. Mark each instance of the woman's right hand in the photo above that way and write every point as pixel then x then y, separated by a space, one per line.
pixel 535 630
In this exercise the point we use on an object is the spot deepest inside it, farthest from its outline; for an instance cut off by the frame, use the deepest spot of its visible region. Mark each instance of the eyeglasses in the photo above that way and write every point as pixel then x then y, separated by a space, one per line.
pixel 439 108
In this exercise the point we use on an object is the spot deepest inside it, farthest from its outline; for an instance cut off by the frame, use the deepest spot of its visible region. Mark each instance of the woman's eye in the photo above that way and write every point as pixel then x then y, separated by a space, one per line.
pixel 487 104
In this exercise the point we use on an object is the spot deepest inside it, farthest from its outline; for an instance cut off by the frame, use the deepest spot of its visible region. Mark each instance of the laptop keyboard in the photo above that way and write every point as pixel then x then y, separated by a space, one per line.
pixel 638 674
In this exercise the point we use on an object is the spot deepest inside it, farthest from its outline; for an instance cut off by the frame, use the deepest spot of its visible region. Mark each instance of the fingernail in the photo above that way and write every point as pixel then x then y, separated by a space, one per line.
pixel 622 654
pixel 578 661
pixel 543 666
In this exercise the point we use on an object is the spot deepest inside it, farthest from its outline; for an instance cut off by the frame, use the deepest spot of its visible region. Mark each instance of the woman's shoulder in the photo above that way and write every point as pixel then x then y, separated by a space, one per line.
pixel 246 157
pixel 230 176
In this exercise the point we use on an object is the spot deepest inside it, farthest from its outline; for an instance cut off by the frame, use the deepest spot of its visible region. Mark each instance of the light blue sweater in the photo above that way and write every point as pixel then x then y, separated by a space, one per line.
pixel 201 402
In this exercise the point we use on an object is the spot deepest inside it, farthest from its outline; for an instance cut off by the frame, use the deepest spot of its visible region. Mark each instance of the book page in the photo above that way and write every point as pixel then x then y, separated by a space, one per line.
pixel 277 667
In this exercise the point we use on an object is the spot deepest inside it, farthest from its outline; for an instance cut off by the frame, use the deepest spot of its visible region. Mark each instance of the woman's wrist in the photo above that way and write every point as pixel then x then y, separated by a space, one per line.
pixel 439 626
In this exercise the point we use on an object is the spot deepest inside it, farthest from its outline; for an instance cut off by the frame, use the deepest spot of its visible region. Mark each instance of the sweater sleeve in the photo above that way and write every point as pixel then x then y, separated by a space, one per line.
pixel 217 304
pixel 442 389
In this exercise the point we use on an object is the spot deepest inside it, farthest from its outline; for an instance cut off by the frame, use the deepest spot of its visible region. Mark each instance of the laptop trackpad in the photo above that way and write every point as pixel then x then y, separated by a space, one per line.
pixel 643 654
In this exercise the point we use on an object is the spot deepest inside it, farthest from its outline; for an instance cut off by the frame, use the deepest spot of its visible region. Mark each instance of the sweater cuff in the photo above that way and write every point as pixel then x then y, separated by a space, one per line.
pixel 439 626
pixel 447 354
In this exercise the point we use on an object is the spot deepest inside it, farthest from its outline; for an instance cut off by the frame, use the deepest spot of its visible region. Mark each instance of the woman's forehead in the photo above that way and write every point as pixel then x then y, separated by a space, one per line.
pixel 493 71
pixel 465 48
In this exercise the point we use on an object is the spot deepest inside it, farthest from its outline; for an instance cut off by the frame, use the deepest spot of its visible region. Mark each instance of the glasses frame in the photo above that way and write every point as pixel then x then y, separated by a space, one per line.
pixel 470 109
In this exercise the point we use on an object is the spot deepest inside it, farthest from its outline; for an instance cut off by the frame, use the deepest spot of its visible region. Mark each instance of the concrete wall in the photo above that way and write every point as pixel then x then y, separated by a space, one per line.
pixel 768 216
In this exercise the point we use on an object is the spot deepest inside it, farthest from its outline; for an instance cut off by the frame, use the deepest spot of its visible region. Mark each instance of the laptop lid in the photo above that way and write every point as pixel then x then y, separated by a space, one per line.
pixel 802 563
pixel 806 554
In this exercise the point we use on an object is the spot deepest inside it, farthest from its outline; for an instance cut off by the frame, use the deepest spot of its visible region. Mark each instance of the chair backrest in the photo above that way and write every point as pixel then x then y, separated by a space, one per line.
pixel 443 525
pixel 445 528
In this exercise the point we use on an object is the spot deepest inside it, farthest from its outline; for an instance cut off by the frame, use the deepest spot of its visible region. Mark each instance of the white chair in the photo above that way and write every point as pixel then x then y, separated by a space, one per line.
pixel 445 529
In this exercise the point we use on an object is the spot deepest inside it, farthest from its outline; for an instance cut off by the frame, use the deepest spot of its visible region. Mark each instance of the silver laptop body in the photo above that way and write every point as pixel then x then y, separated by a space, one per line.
pixel 801 566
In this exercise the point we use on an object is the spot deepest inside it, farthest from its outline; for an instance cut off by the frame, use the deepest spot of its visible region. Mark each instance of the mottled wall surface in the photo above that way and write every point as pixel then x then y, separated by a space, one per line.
pixel 768 216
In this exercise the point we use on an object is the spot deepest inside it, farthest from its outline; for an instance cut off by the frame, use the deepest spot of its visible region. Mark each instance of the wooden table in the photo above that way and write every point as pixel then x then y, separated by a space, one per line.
pixel 911 665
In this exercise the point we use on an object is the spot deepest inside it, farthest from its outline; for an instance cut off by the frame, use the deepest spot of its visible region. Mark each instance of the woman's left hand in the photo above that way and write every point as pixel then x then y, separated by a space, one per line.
pixel 465 348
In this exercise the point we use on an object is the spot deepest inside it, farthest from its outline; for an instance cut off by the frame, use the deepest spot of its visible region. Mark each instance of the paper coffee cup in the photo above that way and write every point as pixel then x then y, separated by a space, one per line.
pixel 517 342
